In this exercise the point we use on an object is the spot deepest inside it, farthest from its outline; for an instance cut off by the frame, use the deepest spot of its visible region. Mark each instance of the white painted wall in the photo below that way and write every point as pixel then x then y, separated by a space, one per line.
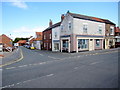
pixel 92 27
pixel 56 31
pixel 37 44
pixel 68 19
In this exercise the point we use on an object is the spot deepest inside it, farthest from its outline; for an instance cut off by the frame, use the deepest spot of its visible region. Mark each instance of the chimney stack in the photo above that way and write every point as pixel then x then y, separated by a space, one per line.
pixel 62 17
pixel 50 23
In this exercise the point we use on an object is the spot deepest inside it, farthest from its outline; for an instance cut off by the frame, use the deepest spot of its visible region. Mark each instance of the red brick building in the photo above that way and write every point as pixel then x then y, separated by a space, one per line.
pixel 5 41
pixel 47 37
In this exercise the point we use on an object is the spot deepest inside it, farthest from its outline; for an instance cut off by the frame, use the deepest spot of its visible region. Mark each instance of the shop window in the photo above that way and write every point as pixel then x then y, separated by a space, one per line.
pixel 97 43
pixel 82 43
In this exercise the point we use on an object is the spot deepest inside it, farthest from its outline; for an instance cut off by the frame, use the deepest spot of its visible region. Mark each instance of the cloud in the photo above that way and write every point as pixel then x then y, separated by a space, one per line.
pixel 26 31
pixel 19 4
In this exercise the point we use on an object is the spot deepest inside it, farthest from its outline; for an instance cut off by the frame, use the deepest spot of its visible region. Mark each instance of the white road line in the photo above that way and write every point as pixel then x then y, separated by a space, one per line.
pixel 26 81
pixel 11 68
pixel 94 63
pixel 76 68
pixel 30 64
pixel 41 54
pixel 43 63
pixel 49 75
pixel 23 66
pixel 18 83
pixel 52 57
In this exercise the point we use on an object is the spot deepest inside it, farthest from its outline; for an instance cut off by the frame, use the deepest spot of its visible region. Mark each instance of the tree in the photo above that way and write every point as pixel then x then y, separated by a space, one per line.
pixel 17 39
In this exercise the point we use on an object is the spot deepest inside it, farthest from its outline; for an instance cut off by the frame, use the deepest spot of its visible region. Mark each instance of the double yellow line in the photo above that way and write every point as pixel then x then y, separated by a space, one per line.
pixel 14 61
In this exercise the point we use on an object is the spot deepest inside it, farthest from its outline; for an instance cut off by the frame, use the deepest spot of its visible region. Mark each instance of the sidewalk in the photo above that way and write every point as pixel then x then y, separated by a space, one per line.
pixel 11 56
pixel 95 51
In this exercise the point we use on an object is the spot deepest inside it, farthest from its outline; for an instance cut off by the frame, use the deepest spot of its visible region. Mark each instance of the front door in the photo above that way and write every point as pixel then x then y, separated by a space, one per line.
pixel 91 44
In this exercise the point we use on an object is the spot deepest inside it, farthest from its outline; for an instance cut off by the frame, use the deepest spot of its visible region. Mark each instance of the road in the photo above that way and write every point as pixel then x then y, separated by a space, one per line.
pixel 46 69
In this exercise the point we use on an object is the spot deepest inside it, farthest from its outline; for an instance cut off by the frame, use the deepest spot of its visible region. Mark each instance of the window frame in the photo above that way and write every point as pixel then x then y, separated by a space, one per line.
pixel 85 28
pixel 69 26
pixel 100 29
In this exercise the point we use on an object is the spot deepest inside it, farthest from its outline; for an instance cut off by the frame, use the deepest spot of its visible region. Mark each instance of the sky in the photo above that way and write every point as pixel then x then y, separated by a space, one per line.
pixel 23 19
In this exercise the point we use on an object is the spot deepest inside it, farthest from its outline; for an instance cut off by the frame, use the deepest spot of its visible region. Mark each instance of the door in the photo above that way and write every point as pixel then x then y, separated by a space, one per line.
pixel 91 44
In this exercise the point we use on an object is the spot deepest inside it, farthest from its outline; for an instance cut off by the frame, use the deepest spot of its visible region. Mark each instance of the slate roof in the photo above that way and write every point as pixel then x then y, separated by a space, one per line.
pixel 90 18
pixel 53 26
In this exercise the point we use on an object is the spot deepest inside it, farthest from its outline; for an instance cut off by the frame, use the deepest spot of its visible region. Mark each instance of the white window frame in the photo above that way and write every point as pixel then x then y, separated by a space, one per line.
pixel 55 34
pixel 112 33
pixel 50 35
pixel 85 28
pixel 100 29
pixel 61 28
pixel 50 45
pixel 44 36
pixel 69 26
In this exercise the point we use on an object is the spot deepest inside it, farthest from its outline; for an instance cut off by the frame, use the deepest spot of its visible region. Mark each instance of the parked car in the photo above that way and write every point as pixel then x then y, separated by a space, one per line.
pixel 32 48
pixel 28 46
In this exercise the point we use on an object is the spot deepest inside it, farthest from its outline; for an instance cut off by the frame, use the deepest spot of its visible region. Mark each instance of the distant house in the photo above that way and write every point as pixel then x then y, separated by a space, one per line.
pixel 5 42
pixel 109 41
pixel 21 42
pixel 117 37
pixel 31 42
pixel 38 40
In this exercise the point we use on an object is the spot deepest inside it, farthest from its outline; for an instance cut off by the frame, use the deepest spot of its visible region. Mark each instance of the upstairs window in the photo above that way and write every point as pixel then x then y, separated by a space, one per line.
pixel 111 30
pixel 85 28
pixel 69 26
pixel 61 28
pixel 55 34
pixel 44 36
pixel 100 30
pixel 50 36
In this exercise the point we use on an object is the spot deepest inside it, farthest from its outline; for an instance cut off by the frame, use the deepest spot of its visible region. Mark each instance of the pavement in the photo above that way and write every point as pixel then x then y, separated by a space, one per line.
pixel 10 57
pixel 46 69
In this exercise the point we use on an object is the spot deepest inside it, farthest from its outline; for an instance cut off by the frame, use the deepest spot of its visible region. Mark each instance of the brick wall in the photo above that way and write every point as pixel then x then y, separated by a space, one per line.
pixel 47 41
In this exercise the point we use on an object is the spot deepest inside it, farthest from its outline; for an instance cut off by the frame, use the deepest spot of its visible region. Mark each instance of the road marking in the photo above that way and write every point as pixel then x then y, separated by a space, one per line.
pixel 23 66
pixel 10 67
pixel 94 63
pixel 49 75
pixel 21 58
pixel 76 68
pixel 27 81
pixel 52 57
pixel 41 54
pixel 18 83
